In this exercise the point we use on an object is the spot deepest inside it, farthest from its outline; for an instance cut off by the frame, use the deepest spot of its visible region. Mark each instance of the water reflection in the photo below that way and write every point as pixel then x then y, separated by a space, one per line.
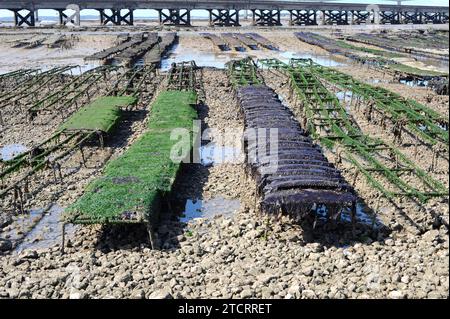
pixel 47 232
pixel 180 53
pixel 10 151
pixel 213 154
pixel 218 206
pixel 363 216
pixel 324 60
pixel 205 59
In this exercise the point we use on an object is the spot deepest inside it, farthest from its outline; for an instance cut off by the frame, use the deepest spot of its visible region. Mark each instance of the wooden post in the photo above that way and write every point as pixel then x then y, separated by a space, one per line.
pixel 151 236
pixel 353 216
pixel 63 237
pixel 210 17
pixel 21 200
pixel 82 155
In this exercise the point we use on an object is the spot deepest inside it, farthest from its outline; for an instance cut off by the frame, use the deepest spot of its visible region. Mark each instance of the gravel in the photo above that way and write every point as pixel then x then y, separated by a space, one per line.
pixel 244 255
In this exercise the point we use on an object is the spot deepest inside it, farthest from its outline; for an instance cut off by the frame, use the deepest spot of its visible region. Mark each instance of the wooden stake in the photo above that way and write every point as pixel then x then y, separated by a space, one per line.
pixel 151 236
pixel 63 237
pixel 353 216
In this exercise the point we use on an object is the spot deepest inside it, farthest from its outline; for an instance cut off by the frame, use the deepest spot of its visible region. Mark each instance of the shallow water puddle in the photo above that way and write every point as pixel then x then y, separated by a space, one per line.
pixel 414 83
pixel 319 59
pixel 47 232
pixel 344 96
pixel 363 216
pixel 213 154
pixel 439 64
pixel 83 68
pixel 10 151
pixel 24 223
pixel 217 206
pixel 376 81
pixel 218 60
pixel 425 128
pixel 205 59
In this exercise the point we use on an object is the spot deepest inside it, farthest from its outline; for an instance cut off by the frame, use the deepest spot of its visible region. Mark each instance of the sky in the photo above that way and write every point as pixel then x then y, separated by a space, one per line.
pixel 140 13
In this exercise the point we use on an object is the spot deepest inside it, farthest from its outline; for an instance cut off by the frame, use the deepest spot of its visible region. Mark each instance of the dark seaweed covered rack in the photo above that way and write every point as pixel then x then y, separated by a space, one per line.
pixel 296 177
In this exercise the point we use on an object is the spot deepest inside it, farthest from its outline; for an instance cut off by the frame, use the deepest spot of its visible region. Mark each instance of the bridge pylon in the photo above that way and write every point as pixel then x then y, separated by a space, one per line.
pixel 303 17
pixel 176 17
pixel 224 17
pixel 20 19
pixel 117 16
pixel 265 17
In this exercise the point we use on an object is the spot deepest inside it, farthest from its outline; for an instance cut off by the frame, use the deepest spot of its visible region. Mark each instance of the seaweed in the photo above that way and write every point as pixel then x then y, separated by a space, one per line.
pixel 100 115
pixel 132 186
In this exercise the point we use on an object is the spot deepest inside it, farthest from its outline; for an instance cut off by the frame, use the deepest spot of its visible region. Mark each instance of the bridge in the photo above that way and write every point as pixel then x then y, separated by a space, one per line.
pixel 226 13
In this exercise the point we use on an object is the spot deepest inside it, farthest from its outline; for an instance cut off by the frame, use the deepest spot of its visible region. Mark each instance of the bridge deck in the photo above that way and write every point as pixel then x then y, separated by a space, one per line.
pixel 203 4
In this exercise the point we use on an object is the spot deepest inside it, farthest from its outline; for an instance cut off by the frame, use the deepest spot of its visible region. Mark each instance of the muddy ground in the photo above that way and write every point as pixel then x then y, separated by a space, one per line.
pixel 235 252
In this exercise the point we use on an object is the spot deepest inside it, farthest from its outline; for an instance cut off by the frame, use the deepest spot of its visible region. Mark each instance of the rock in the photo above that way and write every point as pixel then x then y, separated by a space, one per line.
pixel 5 221
pixel 405 279
pixel 28 254
pixel 137 277
pixel 173 282
pixel 13 293
pixel 5 245
pixel 295 290
pixel 315 247
pixel 435 295
pixel 24 294
pixel 123 277
pixel 160 294
pixel 395 278
pixel 342 263
pixel 244 256
pixel 308 293
pixel 138 294
pixel 77 295
pixel 266 277
pixel 255 233
pixel 246 293
pixel 197 270
pixel 225 252
pixel 431 235
pixel 308 271
pixel 266 292
pixel 395 294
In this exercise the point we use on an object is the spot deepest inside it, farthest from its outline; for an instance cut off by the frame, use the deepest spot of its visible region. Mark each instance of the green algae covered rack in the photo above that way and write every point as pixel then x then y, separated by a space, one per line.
pixel 133 185
pixel 101 115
